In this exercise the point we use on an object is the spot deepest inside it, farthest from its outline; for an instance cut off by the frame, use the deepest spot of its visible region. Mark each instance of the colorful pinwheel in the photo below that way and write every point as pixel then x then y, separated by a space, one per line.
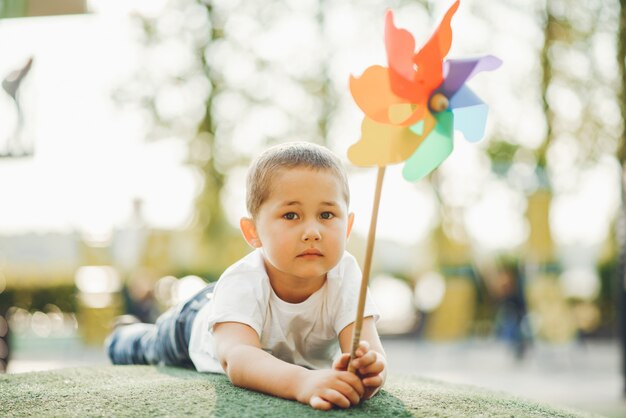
pixel 411 110
pixel 412 107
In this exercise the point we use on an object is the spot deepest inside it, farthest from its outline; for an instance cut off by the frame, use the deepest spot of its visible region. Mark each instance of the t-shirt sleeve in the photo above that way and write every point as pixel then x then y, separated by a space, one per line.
pixel 239 298
pixel 347 298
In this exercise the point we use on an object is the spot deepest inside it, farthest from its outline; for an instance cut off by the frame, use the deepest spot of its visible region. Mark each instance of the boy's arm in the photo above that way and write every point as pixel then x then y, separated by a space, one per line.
pixel 247 365
pixel 371 361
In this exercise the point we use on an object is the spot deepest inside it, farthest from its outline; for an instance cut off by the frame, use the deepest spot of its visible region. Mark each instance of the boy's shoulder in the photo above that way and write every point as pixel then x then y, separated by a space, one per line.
pixel 249 270
pixel 252 262
pixel 345 272
pixel 245 276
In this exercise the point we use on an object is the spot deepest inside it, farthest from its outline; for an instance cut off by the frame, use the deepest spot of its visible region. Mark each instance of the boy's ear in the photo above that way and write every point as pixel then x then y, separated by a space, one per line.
pixel 350 223
pixel 249 232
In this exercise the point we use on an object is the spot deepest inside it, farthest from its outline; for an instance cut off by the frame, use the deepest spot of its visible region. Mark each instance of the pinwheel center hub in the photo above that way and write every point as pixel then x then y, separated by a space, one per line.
pixel 438 103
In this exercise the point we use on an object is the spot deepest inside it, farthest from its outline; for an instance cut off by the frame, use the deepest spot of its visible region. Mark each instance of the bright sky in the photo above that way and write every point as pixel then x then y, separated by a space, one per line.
pixel 91 160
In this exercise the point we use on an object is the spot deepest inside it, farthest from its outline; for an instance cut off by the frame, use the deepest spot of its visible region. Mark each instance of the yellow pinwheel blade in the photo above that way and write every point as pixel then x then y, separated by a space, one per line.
pixel 384 144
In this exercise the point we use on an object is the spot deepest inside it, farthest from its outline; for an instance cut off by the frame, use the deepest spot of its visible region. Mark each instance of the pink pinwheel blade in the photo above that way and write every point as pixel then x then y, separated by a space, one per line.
pixel 433 151
pixel 457 72
pixel 470 114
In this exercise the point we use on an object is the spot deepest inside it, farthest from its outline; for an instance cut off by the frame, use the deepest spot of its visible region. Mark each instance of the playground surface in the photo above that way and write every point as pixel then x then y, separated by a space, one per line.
pixel 584 376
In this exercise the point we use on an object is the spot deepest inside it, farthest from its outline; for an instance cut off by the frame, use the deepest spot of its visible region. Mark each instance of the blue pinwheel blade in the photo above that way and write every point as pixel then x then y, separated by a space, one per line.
pixel 464 97
pixel 433 151
pixel 470 114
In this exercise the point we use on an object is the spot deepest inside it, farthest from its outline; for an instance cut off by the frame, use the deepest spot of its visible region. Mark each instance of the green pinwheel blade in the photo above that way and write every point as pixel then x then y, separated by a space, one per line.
pixel 418 128
pixel 433 151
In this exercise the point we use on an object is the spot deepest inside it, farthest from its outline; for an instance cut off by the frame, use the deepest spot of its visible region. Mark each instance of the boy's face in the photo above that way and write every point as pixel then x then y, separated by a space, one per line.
pixel 302 226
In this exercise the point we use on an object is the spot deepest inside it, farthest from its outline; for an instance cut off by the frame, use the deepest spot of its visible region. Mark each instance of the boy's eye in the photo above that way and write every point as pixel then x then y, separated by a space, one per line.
pixel 290 216
pixel 327 215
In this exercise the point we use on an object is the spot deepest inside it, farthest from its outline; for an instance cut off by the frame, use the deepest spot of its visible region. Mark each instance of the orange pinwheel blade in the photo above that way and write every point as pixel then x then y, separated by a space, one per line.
pixel 383 144
pixel 429 59
pixel 372 93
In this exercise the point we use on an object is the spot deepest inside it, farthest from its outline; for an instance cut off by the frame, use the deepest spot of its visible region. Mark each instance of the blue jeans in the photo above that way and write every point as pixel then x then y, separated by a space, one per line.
pixel 165 343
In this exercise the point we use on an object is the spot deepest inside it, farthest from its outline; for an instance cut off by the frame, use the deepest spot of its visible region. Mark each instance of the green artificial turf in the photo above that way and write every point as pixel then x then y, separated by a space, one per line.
pixel 136 391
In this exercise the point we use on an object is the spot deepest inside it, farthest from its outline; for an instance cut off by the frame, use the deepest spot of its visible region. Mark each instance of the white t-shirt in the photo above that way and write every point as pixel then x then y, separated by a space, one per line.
pixel 306 333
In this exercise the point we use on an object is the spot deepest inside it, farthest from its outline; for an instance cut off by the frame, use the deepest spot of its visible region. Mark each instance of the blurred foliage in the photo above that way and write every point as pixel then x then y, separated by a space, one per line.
pixel 607 300
pixel 188 30
pixel 579 86
pixel 210 44
pixel 39 298
pixel 621 69
pixel 501 151
pixel 237 93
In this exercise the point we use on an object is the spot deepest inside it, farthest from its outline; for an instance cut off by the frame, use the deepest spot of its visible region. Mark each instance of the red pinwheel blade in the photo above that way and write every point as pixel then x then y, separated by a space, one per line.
pixel 430 58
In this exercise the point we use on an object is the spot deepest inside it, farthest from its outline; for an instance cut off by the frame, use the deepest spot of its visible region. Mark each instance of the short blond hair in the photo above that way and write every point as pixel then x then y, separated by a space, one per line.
pixel 288 156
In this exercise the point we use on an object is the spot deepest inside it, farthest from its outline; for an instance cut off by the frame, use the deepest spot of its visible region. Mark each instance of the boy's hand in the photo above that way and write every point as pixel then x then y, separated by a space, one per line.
pixel 370 366
pixel 323 389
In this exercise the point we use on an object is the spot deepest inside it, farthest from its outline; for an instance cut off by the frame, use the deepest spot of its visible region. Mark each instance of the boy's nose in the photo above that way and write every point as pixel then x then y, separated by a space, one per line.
pixel 311 234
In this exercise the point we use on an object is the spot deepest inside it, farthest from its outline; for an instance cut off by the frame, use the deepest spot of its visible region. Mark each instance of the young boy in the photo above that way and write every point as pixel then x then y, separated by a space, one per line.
pixel 278 320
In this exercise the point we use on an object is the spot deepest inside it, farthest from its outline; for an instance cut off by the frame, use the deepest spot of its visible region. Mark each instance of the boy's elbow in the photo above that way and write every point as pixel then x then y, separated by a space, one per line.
pixel 228 370
pixel 224 365
pixel 231 368
pixel 233 375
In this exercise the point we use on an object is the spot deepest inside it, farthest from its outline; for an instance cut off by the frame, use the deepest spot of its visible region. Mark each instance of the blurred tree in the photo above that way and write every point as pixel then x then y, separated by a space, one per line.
pixel 175 91
pixel 621 222
pixel 231 78
pixel 570 121
pixel 580 110
pixel 238 76
pixel 577 93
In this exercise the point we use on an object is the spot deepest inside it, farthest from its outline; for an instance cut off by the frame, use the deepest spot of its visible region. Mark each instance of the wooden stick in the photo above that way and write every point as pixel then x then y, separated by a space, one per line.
pixel 358 323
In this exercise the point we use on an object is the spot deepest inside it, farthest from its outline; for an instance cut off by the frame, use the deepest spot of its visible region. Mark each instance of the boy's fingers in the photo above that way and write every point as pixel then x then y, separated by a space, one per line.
pixel 342 362
pixel 348 391
pixel 371 369
pixel 354 381
pixel 373 381
pixel 319 403
pixel 336 398
pixel 365 360
pixel 363 348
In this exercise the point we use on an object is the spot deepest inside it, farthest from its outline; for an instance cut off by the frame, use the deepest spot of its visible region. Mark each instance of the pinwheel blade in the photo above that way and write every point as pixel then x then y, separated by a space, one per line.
pixel 400 47
pixel 433 151
pixel 372 93
pixel 418 128
pixel 384 144
pixel 470 114
pixel 429 59
pixel 458 71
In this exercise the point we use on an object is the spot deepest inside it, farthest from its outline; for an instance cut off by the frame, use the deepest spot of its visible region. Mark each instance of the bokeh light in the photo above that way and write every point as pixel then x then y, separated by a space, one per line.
pixel 186 287
pixel 393 298
pixel 429 291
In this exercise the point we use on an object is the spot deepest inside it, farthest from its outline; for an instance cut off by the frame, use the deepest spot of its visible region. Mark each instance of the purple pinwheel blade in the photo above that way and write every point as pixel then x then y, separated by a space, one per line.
pixel 458 71
pixel 433 151
pixel 470 114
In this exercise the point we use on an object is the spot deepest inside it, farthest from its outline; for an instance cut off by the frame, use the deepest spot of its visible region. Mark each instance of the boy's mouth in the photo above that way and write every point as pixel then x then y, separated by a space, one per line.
pixel 311 252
